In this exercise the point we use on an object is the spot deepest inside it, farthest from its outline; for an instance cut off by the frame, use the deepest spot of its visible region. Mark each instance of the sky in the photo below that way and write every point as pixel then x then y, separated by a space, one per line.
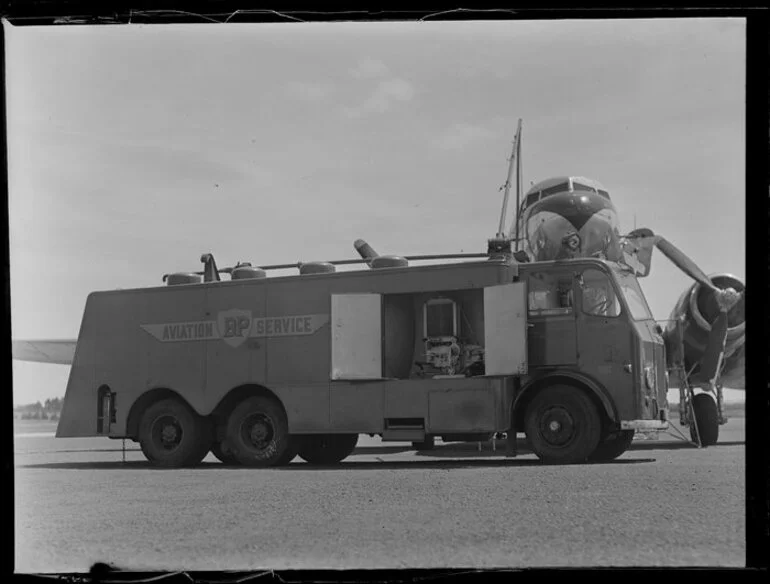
pixel 133 149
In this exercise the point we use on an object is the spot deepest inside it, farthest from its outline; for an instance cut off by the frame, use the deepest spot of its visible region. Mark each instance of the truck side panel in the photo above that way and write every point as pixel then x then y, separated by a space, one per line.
pixel 307 407
pixel 203 340
pixel 240 361
pixel 467 410
pixel 298 359
pixel 475 404
pixel 115 351
pixel 357 407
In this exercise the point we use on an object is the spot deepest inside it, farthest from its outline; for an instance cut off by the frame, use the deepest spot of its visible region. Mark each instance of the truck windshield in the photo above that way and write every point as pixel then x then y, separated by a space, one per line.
pixel 637 304
pixel 598 295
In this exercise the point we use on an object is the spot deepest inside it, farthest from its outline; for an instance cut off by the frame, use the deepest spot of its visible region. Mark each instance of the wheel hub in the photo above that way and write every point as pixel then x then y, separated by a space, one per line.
pixel 258 431
pixel 168 432
pixel 557 426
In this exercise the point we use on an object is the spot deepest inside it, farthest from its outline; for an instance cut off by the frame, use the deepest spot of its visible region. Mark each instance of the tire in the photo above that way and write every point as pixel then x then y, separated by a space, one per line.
pixel 707 418
pixel 290 453
pixel 172 435
pixel 223 453
pixel 258 432
pixel 612 446
pixel 428 444
pixel 563 425
pixel 327 448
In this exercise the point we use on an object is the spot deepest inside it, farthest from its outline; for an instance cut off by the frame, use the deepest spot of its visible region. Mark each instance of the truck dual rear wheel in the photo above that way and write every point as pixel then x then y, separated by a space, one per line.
pixel 327 448
pixel 612 446
pixel 172 435
pixel 707 418
pixel 258 432
pixel 563 425
pixel 223 453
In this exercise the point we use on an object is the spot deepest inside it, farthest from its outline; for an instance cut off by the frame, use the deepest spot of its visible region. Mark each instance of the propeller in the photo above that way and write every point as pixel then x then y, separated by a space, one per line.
pixel 684 263
pixel 711 360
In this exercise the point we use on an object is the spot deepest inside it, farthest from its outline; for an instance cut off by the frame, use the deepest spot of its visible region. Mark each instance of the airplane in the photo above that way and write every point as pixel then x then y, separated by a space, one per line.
pixel 573 216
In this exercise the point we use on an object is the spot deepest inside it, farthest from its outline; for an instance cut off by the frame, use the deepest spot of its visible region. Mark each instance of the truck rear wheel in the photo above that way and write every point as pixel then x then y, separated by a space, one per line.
pixel 707 418
pixel 612 446
pixel 172 435
pixel 223 453
pixel 327 448
pixel 563 425
pixel 258 432
pixel 290 453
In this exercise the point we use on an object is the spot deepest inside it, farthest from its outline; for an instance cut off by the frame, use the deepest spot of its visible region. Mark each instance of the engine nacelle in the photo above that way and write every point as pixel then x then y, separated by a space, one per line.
pixel 697 309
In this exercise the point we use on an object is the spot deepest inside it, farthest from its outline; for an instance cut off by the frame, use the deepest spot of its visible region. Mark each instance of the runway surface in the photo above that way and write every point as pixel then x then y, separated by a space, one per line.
pixel 663 503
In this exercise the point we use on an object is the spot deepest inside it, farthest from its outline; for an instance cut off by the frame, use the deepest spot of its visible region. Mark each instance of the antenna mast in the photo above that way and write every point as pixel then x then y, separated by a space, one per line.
pixel 507 185
pixel 518 184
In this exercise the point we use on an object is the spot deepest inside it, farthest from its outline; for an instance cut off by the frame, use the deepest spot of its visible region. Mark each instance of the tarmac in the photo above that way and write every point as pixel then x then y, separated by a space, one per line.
pixel 663 503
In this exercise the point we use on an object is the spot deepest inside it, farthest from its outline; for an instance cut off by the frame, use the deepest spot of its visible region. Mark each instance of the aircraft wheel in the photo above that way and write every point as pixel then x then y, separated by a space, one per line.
pixel 327 448
pixel 258 432
pixel 707 418
pixel 563 425
pixel 612 446
pixel 428 444
pixel 172 435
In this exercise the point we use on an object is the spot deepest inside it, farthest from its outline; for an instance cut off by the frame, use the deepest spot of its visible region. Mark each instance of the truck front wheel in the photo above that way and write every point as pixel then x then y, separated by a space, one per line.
pixel 612 446
pixel 563 425
pixel 327 448
pixel 172 435
pixel 258 432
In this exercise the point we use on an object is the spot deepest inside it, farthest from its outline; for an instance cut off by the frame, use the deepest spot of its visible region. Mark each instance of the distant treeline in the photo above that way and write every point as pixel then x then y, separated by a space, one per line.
pixel 49 410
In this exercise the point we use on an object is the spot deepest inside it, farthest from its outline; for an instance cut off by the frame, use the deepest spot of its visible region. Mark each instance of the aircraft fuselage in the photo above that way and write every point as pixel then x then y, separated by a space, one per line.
pixel 567 217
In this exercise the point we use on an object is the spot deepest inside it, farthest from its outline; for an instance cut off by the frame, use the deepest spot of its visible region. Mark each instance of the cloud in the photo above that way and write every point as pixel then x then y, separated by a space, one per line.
pixel 384 95
pixel 310 91
pixel 460 135
pixel 370 69
pixel 388 89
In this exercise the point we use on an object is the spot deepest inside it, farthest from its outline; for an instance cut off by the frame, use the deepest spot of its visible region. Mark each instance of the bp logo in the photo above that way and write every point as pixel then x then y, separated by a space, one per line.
pixel 236 325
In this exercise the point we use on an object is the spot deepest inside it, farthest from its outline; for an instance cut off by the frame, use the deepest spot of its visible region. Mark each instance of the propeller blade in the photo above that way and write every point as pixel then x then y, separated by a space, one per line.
pixel 683 262
pixel 712 356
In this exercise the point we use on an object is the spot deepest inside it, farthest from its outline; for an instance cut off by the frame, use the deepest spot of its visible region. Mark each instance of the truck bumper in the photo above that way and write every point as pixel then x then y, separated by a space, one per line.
pixel 645 425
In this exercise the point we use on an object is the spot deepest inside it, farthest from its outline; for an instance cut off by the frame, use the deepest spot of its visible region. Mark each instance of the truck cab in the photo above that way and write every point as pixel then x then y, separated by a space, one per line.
pixel 589 317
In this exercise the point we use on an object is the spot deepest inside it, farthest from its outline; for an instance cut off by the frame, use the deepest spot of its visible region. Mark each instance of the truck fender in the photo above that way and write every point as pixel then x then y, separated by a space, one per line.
pixel 595 390
pixel 143 402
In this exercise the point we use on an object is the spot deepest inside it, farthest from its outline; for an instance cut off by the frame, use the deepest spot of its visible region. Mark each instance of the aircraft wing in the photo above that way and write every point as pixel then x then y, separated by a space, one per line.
pixel 60 351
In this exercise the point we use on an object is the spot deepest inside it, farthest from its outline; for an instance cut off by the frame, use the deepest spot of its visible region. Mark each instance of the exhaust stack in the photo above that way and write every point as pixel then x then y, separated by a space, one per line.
pixel 365 250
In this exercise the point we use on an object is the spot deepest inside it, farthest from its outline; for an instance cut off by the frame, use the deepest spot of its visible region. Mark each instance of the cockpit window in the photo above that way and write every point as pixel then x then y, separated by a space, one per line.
pixel 578 187
pixel 561 188
pixel 532 199
pixel 604 193
pixel 598 295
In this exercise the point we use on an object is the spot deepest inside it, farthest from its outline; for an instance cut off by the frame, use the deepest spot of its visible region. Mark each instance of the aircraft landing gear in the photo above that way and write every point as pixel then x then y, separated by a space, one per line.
pixel 702 412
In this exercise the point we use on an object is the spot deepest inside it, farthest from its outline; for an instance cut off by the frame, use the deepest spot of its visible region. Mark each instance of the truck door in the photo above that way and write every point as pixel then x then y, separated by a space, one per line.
pixel 552 337
pixel 605 338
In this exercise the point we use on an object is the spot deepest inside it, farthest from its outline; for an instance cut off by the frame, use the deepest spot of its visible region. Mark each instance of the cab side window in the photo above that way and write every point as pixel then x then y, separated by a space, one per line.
pixel 597 294
pixel 550 294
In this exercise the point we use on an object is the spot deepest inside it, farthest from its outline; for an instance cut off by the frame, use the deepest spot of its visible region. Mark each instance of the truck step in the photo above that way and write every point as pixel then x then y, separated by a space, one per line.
pixel 403 435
